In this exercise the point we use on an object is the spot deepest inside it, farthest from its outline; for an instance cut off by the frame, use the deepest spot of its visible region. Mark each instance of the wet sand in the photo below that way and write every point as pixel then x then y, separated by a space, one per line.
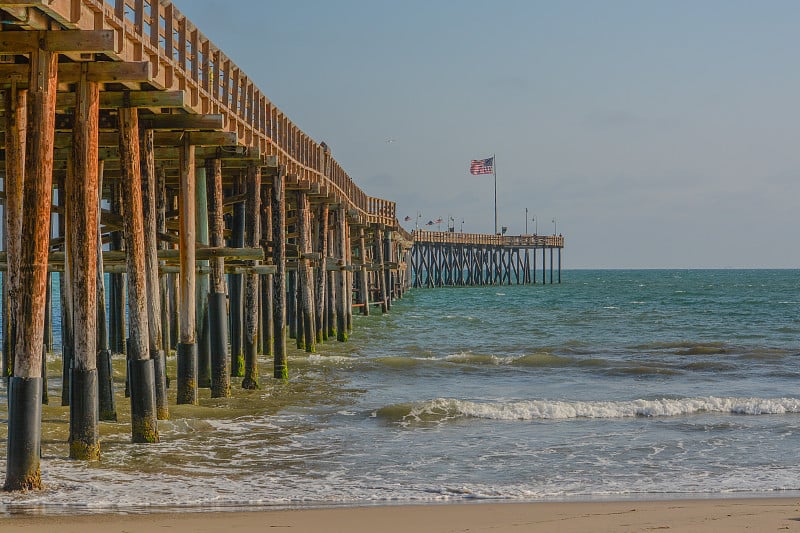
pixel 706 515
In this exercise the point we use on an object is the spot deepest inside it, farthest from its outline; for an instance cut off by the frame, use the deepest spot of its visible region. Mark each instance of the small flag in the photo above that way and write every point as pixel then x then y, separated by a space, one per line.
pixel 438 221
pixel 407 219
pixel 482 166
pixel 430 223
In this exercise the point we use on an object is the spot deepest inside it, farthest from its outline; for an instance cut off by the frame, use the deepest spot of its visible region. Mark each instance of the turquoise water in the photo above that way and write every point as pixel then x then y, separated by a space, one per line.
pixel 613 384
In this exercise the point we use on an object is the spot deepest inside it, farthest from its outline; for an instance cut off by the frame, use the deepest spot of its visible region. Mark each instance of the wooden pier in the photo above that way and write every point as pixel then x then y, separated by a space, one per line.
pixel 223 229
pixel 450 259
pixel 176 175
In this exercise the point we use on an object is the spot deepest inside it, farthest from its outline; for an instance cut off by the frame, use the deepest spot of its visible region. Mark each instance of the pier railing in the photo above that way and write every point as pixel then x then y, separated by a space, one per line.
pixel 183 59
pixel 521 241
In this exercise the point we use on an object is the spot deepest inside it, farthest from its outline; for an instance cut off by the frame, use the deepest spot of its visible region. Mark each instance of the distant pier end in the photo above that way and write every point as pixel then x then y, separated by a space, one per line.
pixel 449 259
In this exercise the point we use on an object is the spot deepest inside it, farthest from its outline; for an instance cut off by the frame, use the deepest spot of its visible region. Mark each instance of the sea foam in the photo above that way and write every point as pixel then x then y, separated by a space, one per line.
pixel 443 409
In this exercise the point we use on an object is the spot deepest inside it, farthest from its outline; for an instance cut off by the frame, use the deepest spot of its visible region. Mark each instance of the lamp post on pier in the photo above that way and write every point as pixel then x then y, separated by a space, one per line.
pixel 555 227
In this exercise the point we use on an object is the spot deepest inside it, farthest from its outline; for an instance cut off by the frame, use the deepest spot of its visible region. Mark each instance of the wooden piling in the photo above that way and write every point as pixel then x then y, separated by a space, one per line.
pixel 144 427
pixel 218 316
pixel 164 278
pixel 187 341
pixel 306 313
pixel 118 296
pixel 280 366
pixel 16 120
pixel 82 209
pixel 155 338
pixel 105 372
pixel 380 276
pixel 236 289
pixel 363 281
pixel 253 240
pixel 65 290
pixel 267 319
pixel 202 283
pixel 387 271
pixel 25 386
pixel 341 278
pixel 320 274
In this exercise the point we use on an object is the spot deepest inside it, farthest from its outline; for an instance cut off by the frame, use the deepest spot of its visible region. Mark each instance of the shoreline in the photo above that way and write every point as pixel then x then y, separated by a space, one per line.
pixel 700 515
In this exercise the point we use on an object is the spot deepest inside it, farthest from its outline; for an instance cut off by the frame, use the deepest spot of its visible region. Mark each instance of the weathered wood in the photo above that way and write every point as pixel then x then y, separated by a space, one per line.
pixel 187 341
pixel 291 302
pixel 236 289
pixel 280 367
pixel 144 427
pixel 267 318
pixel 387 271
pixel 155 338
pixel 113 100
pixel 65 299
pixel 105 371
pixel 167 332
pixel 306 275
pixel 330 316
pixel 202 283
pixel 363 285
pixel 15 112
pixel 321 285
pixel 81 201
pixel 99 41
pixel 101 71
pixel 380 278
pixel 252 239
pixel 341 276
pixel 25 388
pixel 218 317
pixel 118 293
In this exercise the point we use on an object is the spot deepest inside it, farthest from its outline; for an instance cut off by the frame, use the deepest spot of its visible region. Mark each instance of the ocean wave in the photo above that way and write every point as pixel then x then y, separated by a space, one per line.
pixel 441 410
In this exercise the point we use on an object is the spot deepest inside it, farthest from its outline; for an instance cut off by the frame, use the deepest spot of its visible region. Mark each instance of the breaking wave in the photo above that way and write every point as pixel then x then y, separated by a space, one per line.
pixel 440 410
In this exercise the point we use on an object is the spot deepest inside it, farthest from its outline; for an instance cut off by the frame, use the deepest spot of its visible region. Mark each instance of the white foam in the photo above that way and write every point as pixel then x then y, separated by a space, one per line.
pixel 565 410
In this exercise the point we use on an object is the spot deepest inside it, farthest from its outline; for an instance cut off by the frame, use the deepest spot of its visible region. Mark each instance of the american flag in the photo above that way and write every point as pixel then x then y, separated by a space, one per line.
pixel 482 166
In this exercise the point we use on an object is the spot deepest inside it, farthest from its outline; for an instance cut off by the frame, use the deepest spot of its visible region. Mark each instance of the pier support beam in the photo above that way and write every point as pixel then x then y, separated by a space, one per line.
pixel 380 276
pixel 217 312
pixel 25 386
pixel 280 368
pixel 305 276
pixel 202 283
pixel 341 277
pixel 15 112
pixel 155 336
pixel 321 275
pixel 187 343
pixel 267 319
pixel 235 288
pixel 252 229
pixel 363 281
pixel 82 209
pixel 105 371
pixel 140 365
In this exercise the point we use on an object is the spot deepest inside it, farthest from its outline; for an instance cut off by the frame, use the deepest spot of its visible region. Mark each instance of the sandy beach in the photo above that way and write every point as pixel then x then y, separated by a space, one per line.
pixel 712 515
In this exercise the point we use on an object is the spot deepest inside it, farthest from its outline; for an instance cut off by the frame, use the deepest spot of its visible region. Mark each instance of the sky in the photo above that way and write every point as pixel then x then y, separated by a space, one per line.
pixel 654 134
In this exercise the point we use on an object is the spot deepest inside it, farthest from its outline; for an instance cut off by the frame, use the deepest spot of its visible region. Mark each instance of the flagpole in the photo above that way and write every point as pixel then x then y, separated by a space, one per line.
pixel 494 171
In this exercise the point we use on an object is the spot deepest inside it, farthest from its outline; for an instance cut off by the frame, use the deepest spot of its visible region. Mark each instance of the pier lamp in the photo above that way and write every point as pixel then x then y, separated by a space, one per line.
pixel 555 227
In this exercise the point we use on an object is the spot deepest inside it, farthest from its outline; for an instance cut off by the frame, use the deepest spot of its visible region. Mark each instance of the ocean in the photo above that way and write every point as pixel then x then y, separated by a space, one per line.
pixel 614 384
